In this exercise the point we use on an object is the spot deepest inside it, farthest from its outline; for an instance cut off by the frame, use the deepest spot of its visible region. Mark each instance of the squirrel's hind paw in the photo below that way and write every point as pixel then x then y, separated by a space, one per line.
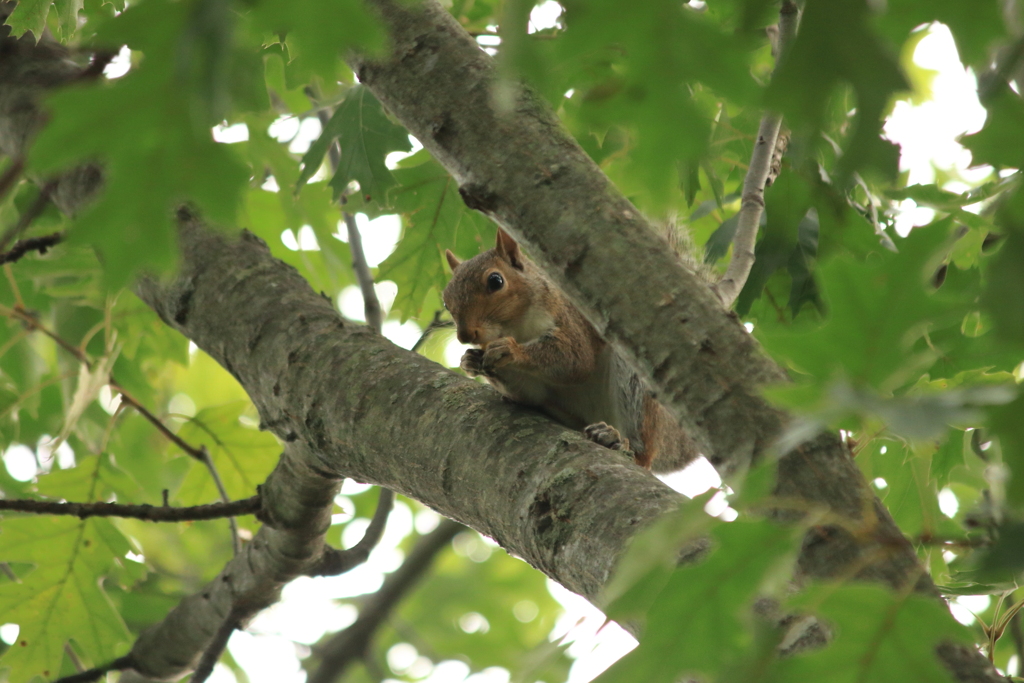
pixel 605 435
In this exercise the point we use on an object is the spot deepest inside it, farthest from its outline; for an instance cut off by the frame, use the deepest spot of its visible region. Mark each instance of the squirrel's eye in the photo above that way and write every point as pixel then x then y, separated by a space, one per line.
pixel 495 282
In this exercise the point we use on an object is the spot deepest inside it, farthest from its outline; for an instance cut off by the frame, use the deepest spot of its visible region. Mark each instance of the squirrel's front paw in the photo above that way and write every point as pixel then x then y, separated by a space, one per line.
pixel 472 362
pixel 499 353
pixel 605 435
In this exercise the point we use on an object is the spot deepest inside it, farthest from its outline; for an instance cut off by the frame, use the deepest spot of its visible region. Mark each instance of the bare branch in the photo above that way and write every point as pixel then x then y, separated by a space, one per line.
pixel 200 454
pixel 371 305
pixel 216 648
pixel 435 324
pixel 119 664
pixel 30 215
pixel 11 175
pixel 349 646
pixel 149 513
pixel 759 175
pixel 335 562
pixel 236 542
pixel 22 247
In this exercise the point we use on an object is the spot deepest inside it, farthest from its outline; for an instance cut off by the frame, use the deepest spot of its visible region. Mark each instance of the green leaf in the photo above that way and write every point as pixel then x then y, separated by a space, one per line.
pixel 877 310
pixel 366 136
pixel 716 597
pixel 493 589
pixel 1006 423
pixel 62 597
pixel 652 556
pixel 243 456
pixel 67 17
pixel 1001 141
pixel 835 45
pixel 1003 287
pixel 974 25
pixel 156 153
pixel 320 30
pixel 949 455
pixel 29 15
pixel 880 636
pixel 435 218
pixel 637 66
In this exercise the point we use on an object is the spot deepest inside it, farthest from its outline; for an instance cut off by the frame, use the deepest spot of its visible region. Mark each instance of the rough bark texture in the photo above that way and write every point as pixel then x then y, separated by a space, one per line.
pixel 349 403
pixel 299 500
pixel 521 168
pixel 374 412
pixel 524 170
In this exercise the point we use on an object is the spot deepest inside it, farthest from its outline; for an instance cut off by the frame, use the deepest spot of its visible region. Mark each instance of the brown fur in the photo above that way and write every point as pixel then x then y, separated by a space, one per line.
pixel 536 348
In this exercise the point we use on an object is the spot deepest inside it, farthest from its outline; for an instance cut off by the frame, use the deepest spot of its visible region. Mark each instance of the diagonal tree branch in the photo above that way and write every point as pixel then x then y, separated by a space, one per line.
pixel 343 399
pixel 348 646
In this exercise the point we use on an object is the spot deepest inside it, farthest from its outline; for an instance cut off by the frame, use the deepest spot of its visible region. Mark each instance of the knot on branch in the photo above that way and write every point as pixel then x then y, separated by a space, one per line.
pixel 479 197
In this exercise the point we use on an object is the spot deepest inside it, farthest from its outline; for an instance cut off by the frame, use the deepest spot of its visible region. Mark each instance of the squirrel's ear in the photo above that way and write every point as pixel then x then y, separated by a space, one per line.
pixel 508 249
pixel 453 260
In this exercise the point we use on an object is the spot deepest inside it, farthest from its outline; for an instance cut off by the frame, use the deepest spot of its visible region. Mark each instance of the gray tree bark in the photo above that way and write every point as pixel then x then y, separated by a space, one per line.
pixel 349 403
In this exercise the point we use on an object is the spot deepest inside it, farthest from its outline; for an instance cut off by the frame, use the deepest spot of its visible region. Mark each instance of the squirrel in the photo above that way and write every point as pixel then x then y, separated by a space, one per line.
pixel 537 349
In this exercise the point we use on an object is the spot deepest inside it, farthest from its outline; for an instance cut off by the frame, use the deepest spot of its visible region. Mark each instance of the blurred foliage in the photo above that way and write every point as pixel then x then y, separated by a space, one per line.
pixel 912 345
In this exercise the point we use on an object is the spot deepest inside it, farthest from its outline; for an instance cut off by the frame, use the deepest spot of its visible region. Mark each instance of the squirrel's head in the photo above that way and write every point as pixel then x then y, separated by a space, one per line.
pixel 488 294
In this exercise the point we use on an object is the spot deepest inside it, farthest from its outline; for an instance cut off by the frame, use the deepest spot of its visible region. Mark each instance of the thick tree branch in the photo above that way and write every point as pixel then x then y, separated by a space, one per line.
pixel 605 255
pixel 149 513
pixel 347 402
pixel 298 498
pixel 595 244
pixel 349 645
pixel 349 393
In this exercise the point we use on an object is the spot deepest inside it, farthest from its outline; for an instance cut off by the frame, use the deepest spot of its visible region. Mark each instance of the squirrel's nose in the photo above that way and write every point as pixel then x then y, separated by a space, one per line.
pixel 466 336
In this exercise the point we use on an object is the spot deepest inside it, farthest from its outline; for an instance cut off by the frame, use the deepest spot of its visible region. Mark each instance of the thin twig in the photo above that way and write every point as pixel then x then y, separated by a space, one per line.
pixel 30 215
pixel 335 562
pixel 200 454
pixel 149 513
pixel 9 573
pixel 348 646
pixel 79 354
pixel 236 542
pixel 11 175
pixel 119 664
pixel 435 324
pixel 73 656
pixel 22 247
pixel 752 203
pixel 371 304
pixel 216 647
